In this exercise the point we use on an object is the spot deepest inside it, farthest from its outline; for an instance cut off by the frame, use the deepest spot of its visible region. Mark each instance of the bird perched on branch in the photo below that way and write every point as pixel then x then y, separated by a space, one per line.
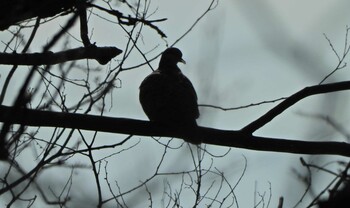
pixel 168 97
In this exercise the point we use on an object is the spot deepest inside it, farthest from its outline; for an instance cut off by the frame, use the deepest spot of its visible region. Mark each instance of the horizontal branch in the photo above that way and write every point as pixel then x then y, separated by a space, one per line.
pixel 101 54
pixel 14 11
pixel 291 100
pixel 144 128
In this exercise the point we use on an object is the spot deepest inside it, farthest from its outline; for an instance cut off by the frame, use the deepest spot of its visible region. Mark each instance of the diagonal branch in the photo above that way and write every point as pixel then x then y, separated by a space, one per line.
pixel 101 54
pixel 137 127
pixel 290 101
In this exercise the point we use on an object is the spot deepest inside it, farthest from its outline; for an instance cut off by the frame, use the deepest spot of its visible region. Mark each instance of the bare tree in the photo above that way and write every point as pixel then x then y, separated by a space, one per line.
pixel 50 133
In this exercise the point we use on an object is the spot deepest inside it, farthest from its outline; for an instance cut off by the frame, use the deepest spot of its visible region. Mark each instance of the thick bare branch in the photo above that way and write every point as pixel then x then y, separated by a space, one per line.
pixel 101 54
pixel 83 24
pixel 288 102
pixel 14 11
pixel 137 127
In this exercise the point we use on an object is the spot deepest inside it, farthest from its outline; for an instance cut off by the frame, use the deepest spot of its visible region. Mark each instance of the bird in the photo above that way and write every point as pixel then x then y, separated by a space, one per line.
pixel 168 97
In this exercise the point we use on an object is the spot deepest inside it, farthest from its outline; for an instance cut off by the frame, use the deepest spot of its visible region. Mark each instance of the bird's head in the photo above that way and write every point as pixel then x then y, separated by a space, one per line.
pixel 170 57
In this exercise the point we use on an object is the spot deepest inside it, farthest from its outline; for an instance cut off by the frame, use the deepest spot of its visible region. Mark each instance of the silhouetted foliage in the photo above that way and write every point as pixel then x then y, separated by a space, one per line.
pixel 49 131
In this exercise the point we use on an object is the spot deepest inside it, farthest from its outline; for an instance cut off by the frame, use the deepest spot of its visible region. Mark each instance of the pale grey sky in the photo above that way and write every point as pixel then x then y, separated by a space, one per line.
pixel 241 52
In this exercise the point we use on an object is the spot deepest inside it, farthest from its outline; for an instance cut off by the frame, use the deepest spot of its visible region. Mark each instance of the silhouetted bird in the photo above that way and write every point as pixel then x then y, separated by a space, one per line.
pixel 168 97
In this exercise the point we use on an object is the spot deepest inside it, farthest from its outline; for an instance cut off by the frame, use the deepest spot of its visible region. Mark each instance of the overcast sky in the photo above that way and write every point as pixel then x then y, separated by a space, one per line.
pixel 241 52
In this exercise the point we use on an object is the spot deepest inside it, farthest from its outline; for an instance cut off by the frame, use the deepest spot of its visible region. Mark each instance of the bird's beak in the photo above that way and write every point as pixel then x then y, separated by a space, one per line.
pixel 182 61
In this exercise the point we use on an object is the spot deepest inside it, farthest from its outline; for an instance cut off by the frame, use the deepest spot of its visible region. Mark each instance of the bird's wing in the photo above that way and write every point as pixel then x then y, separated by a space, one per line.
pixel 168 97
pixel 191 95
pixel 152 94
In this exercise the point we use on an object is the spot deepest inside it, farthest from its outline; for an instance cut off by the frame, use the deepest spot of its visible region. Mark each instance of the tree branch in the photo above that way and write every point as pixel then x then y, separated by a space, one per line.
pixel 83 23
pixel 137 127
pixel 288 102
pixel 101 54
pixel 14 11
